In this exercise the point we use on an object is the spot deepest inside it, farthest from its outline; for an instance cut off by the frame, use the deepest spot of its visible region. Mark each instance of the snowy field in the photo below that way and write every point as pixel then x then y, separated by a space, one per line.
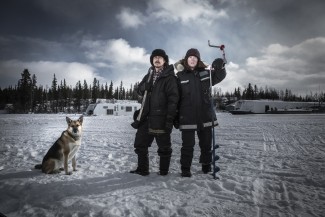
pixel 271 165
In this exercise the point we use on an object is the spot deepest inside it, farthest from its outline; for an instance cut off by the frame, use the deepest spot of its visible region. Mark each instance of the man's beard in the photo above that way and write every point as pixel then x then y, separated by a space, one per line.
pixel 158 66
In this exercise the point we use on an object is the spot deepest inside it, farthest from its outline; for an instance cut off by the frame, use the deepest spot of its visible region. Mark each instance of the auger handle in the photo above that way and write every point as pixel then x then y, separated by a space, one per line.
pixel 221 47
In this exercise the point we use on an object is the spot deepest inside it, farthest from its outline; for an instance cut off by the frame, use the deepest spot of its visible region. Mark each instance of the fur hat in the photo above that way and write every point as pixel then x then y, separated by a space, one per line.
pixel 159 52
pixel 193 52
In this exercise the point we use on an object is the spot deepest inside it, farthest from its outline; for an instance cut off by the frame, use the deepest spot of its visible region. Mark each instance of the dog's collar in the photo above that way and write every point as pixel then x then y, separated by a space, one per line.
pixel 73 136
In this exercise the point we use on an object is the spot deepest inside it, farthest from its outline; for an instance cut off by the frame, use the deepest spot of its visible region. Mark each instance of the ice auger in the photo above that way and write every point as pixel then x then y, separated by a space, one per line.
pixel 215 157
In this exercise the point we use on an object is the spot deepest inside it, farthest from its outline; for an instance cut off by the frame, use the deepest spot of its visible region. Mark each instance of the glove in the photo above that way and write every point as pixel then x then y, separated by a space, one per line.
pixel 218 64
pixel 135 124
pixel 135 114
pixel 168 127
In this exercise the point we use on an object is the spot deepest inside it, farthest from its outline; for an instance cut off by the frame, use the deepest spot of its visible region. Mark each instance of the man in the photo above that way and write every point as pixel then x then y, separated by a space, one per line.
pixel 195 110
pixel 155 119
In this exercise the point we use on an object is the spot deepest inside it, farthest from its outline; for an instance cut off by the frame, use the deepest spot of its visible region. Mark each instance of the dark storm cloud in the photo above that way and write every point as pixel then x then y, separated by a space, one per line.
pixel 57 18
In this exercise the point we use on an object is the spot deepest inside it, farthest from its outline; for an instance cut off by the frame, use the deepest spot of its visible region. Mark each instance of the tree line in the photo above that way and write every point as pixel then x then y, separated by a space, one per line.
pixel 26 96
pixel 252 92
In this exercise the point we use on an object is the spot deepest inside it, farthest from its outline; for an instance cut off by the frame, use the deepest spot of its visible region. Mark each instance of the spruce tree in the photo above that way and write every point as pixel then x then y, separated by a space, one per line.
pixel 25 85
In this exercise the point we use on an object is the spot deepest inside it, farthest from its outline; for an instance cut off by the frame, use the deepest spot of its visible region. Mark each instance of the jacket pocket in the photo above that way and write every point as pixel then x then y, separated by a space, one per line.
pixel 186 92
pixel 157 122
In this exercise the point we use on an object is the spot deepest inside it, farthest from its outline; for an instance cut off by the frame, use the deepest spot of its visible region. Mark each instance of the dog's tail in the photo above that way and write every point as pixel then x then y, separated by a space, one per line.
pixel 38 166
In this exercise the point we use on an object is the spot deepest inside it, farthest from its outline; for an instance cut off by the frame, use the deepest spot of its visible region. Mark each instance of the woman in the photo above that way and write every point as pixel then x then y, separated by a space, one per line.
pixel 195 110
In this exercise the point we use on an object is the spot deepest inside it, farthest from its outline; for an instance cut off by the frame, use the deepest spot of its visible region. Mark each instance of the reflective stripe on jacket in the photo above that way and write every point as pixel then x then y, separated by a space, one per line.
pixel 195 110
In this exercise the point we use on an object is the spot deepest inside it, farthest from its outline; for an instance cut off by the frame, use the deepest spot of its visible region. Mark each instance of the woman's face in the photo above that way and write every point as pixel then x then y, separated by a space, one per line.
pixel 192 61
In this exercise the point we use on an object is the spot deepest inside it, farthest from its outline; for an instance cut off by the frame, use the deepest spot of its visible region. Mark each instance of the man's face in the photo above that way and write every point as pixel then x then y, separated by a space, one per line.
pixel 158 61
pixel 192 61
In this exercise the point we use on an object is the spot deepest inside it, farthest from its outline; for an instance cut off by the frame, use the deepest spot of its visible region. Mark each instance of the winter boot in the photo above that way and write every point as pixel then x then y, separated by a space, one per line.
pixel 164 166
pixel 206 168
pixel 186 172
pixel 140 172
pixel 143 166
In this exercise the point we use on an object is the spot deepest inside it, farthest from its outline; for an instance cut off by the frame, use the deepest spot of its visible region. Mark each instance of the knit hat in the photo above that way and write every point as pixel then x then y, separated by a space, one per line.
pixel 159 52
pixel 192 52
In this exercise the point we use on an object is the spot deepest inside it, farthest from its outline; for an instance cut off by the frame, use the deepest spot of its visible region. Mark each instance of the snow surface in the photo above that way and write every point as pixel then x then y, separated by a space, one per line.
pixel 271 165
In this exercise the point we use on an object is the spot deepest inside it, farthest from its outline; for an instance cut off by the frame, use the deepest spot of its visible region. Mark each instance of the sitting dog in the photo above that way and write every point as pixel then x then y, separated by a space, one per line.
pixel 64 149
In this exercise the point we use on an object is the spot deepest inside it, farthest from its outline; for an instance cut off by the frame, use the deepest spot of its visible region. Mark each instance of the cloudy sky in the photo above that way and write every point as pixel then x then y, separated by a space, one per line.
pixel 279 43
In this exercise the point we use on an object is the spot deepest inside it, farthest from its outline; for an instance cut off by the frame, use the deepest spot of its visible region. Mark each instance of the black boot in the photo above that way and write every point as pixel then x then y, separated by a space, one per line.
pixel 164 166
pixel 206 168
pixel 143 165
pixel 140 172
pixel 186 172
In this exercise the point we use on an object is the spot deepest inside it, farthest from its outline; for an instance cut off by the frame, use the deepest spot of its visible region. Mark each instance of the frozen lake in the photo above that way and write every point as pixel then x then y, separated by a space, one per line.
pixel 271 165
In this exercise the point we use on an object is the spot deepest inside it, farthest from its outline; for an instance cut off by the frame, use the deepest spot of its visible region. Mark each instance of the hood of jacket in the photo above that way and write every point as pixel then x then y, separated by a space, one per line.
pixel 180 66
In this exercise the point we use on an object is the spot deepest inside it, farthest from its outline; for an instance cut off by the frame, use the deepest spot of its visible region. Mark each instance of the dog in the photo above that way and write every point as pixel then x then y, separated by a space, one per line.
pixel 64 149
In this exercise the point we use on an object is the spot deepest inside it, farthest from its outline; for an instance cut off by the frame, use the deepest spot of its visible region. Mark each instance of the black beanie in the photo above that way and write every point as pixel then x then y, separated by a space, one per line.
pixel 159 52
pixel 193 52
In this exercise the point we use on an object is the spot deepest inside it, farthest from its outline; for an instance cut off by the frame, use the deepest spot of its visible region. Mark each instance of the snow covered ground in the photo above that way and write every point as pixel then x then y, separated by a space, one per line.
pixel 271 165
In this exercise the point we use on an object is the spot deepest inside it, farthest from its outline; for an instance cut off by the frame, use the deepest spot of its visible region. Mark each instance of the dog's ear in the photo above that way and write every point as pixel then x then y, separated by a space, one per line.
pixel 68 120
pixel 81 119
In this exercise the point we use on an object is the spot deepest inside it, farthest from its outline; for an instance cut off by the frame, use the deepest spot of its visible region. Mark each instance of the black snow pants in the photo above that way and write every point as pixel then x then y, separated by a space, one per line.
pixel 143 141
pixel 205 143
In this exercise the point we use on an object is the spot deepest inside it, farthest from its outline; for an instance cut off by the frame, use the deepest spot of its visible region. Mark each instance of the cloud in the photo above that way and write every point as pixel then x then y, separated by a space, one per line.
pixel 115 51
pixel 234 78
pixel 130 18
pixel 300 67
pixel 185 11
pixel 44 70
pixel 172 11
pixel 122 62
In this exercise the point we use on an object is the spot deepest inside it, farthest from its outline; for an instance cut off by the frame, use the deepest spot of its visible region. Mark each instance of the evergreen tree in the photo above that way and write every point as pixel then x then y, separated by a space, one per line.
pixel 134 91
pixel 116 93
pixel 255 92
pixel 54 95
pixel 106 91
pixel 34 89
pixel 2 99
pixel 120 93
pixel 86 92
pixel 78 96
pixel 25 85
pixel 110 91
pixel 95 90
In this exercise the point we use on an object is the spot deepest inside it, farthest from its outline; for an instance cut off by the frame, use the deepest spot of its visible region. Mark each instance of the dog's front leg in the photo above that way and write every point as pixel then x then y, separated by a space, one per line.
pixel 74 163
pixel 66 168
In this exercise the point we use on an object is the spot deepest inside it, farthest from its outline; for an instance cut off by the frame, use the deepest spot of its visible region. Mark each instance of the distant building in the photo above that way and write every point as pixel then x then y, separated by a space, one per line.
pixel 113 107
pixel 270 106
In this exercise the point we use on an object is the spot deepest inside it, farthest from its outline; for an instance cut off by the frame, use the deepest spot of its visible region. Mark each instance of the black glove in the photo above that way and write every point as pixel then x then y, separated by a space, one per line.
pixel 218 64
pixel 168 127
pixel 135 124
pixel 135 114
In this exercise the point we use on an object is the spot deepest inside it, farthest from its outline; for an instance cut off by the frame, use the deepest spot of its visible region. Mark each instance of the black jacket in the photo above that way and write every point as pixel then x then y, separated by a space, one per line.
pixel 161 102
pixel 195 109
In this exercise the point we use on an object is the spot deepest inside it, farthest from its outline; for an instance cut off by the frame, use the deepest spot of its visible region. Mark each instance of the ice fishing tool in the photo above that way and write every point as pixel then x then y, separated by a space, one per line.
pixel 222 48
pixel 214 145
pixel 136 123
